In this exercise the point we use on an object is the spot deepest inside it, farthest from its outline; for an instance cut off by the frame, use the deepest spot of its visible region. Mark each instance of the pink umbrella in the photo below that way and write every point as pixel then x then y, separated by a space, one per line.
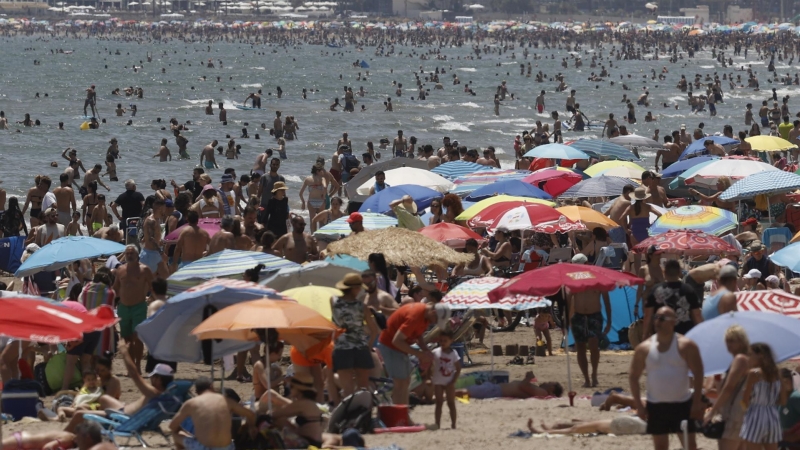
pixel 212 226
pixel 553 181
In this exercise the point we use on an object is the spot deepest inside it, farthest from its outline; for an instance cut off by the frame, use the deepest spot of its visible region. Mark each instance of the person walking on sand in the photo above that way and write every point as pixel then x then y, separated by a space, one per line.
pixel 587 326
pixel 668 358
pixel 131 281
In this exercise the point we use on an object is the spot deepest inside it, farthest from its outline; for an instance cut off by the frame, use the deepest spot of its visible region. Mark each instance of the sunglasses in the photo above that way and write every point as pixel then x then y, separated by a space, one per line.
pixel 663 318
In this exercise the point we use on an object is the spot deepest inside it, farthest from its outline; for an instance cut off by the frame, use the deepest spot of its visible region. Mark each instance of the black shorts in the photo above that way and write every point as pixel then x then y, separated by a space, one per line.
pixel 90 341
pixel 355 358
pixel 666 418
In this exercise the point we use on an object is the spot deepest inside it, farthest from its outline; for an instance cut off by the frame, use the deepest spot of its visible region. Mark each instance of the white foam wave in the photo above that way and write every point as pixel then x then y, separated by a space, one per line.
pixel 258 68
pixel 293 178
pixel 254 85
pixel 453 126
pixel 468 69
pixel 707 67
pixel 197 102
pixel 442 118
pixel 469 105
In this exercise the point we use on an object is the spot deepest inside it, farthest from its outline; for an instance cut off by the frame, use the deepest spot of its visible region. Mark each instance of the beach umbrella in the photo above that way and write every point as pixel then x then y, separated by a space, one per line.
pixel 478 207
pixel 624 169
pixel 400 247
pixel 476 6
pixel 574 277
pixel 770 300
pixel 454 169
pixel 316 273
pixel 603 148
pixel 529 217
pixel 379 203
pixel 697 148
pixel 468 183
pixel 64 251
pixel 167 333
pixel 587 216
pixel 788 257
pixel 764 143
pixel 695 217
pixel 553 181
pixel 491 214
pixel 410 176
pixel 339 228
pixel 350 262
pixel 517 188
pixel 46 322
pixel 317 298
pixel 450 234
pixel 634 140
pixel 780 332
pixel 473 294
pixel 224 264
pixel 680 180
pixel 556 151
pixel 687 242
pixel 598 187
pixel 680 167
pixel 769 183
pixel 735 169
pixel 211 225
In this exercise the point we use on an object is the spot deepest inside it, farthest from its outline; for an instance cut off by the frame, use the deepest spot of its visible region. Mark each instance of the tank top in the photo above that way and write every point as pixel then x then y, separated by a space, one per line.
pixel 711 304
pixel 350 316
pixel 667 374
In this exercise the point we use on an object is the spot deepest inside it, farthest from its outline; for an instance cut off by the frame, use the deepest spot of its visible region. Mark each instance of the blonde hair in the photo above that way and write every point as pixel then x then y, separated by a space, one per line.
pixel 725 181
pixel 736 332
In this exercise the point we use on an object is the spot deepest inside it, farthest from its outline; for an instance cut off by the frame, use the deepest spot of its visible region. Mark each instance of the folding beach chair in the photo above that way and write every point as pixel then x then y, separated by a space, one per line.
pixel 149 418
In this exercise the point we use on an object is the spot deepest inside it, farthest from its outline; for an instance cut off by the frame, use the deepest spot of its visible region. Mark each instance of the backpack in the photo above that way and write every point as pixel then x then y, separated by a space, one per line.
pixel 349 162
pixel 354 412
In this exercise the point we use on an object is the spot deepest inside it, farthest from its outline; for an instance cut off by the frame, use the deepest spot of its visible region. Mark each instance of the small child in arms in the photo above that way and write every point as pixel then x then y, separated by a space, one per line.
pixel 446 369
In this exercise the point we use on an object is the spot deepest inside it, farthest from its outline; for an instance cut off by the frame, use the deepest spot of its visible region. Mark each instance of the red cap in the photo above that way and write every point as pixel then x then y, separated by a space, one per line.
pixel 750 221
pixel 355 217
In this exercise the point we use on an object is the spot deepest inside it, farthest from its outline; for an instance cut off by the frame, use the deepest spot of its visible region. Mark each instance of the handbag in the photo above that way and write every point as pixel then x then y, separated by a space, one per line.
pixel 714 430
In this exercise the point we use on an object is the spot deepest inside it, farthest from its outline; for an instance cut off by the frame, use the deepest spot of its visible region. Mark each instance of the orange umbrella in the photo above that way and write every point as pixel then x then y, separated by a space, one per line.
pixel 591 218
pixel 450 234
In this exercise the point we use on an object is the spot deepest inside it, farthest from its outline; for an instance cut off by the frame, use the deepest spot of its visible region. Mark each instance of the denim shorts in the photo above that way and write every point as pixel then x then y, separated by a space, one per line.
pixel 396 363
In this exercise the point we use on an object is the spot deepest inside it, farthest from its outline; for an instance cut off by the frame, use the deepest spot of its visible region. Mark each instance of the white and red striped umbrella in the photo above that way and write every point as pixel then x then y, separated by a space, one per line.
pixel 473 294
pixel 528 217
pixel 774 300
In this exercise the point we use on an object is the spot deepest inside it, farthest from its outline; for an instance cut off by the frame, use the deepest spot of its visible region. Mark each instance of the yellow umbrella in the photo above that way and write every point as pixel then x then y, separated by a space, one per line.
pixel 317 298
pixel 589 217
pixel 625 169
pixel 652 22
pixel 769 143
pixel 470 212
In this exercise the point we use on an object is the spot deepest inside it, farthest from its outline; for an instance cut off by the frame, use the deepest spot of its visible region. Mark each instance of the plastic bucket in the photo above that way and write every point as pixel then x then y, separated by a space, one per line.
pixel 394 415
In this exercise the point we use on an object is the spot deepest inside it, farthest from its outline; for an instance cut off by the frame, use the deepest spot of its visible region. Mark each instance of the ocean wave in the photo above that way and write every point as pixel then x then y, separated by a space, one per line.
pixel 442 118
pixel 468 69
pixel 707 67
pixel 469 105
pixel 453 126
pixel 198 101
pixel 258 68
pixel 293 178
pixel 254 85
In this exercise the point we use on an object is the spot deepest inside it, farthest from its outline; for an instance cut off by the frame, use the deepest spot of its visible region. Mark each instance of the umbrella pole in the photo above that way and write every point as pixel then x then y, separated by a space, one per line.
pixel 268 372
pixel 566 347
pixel 769 214
pixel 491 344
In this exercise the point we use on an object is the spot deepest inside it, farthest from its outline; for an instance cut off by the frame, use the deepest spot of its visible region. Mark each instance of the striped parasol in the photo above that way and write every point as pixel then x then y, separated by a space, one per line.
pixel 773 300
pixel 339 228
pixel 454 169
pixel 603 148
pixel 469 183
pixel 769 183
pixel 473 294
pixel 695 217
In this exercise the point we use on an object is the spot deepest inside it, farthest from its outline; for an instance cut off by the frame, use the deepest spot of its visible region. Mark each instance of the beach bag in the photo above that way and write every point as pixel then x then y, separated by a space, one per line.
pixel 635 332
pixel 355 411
pixel 40 375
pixel 349 162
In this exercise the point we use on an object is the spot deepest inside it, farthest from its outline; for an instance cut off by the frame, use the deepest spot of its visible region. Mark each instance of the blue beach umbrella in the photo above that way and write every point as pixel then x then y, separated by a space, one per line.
pixel 788 257
pixel 556 151
pixel 681 166
pixel 454 169
pixel 516 188
pixel 348 261
pixel 64 251
pixel 698 148
pixel 770 182
pixel 379 203
pixel 604 148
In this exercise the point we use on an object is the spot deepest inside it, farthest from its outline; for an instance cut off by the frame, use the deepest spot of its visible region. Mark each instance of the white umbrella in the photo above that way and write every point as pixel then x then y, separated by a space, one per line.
pixel 133 3
pixel 735 169
pixel 476 6
pixel 410 175
pixel 651 6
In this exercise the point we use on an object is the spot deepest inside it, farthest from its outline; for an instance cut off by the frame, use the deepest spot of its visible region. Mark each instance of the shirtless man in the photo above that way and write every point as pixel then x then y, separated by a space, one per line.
pixel 399 145
pixel 713 148
pixel 3 121
pixel 132 281
pixel 610 124
pixel 297 246
pixel 192 242
pixel 92 175
pixel 207 154
pixel 488 158
pixel 110 233
pixel 652 181
pixel 65 200
pixel 34 199
pixel 670 153
pixel 91 100
pixel 515 389
pixel 587 329
pixel 250 225
pixel 260 165
pixel 376 298
pixel 433 160
pixel 152 243
pixel 163 151
pixel 277 125
pixel 616 213
pixel 211 415
pixel 224 239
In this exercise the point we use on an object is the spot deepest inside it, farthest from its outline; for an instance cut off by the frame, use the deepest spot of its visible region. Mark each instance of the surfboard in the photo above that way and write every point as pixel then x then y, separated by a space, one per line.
pixel 246 108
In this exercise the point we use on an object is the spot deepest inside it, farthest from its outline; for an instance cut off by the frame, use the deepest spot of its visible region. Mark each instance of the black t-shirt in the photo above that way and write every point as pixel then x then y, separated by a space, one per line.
pixel 193 187
pixel 678 296
pixel 131 203
pixel 277 214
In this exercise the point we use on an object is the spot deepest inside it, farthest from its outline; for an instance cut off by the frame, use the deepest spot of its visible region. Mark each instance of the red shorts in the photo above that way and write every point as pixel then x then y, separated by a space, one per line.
pixel 540 108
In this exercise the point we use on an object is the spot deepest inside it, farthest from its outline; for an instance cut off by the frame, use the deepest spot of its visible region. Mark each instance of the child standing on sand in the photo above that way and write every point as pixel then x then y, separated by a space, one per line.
pixel 542 324
pixel 446 369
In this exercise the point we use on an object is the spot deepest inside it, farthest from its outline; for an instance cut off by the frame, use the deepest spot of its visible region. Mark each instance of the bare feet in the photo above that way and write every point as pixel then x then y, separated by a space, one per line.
pixel 530 427
pixel 586 384
pixel 595 383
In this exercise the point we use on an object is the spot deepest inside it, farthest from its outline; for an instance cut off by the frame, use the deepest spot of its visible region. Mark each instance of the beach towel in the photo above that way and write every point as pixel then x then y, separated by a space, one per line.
pixel 93 296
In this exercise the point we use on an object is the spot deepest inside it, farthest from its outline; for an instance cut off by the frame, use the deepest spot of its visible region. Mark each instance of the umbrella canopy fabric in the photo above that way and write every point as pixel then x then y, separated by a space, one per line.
pixel 553 181
pixel 379 203
pixel 476 208
pixel 492 213
pixel 454 169
pixel 772 300
pixel 788 257
pixel 687 242
pixel 556 151
pixel 49 323
pixel 167 333
pixel 624 169
pixel 695 217
pixel 473 294
pixel 529 217
pixel 410 176
pixel 603 148
pixel 598 187
pixel 211 225
pixel 764 143
pixel 735 169
pixel 299 325
pixel 400 247
pixel 339 228
pixel 469 183
pixel 224 264
pixel 634 140
pixel 575 277
pixel 317 273
pixel 517 188
pixel 697 148
pixel 64 251
pixel 317 298
pixel 682 166
pixel 589 217
pixel 680 180
pixel 769 183
pixel 350 262
pixel 450 234
pixel 780 332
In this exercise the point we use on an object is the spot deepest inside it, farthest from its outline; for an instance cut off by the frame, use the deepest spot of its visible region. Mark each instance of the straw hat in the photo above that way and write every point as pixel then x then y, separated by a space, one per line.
pixel 349 281
pixel 406 200
pixel 639 194
pixel 279 186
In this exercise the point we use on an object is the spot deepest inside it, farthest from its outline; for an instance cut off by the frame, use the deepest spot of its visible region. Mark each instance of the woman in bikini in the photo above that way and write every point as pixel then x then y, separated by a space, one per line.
pixel 501 257
pixel 89 202
pixel 160 188
pixel 329 215
pixel 638 216
pixel 454 208
pixel 317 186
pixel 111 168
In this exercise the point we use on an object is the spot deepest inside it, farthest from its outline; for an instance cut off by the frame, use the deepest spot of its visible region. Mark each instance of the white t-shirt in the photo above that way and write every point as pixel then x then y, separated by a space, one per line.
pixel 444 366
pixel 48 200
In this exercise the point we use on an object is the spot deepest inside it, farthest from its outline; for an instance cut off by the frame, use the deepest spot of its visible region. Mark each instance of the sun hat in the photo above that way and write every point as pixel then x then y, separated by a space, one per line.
pixel 757 246
pixel 580 258
pixel 279 186
pixel 639 194
pixel 355 217
pixel 349 281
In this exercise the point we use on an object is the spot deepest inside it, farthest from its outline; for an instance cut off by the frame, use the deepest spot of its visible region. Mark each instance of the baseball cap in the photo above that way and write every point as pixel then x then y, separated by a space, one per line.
pixel 443 314
pixel 208 187
pixel 355 217
pixel 773 280
pixel 163 370
pixel 683 126
pixel 753 274
pixel 580 258
pixel 227 178
pixel 750 221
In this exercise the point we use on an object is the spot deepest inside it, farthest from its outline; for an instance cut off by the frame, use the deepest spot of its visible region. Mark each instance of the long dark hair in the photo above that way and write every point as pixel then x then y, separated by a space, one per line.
pixel 768 367
pixel 253 274
pixel 379 262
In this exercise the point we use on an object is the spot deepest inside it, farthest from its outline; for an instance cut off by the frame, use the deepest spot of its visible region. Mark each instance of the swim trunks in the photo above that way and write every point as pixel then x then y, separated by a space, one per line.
pixel 208 164
pixel 192 444
pixel 587 326
pixel 150 258
pixel 130 317
pixel 540 108
pixel 485 390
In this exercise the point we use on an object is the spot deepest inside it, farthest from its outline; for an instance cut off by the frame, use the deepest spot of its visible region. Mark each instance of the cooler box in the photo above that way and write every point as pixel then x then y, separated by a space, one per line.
pixel 19 404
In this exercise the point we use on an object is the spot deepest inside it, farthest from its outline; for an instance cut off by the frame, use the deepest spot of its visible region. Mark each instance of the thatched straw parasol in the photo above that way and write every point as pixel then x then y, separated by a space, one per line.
pixel 400 247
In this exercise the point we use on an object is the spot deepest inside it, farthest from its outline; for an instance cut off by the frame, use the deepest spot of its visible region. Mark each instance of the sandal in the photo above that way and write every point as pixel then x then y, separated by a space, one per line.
pixel 517 361
pixel 530 360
